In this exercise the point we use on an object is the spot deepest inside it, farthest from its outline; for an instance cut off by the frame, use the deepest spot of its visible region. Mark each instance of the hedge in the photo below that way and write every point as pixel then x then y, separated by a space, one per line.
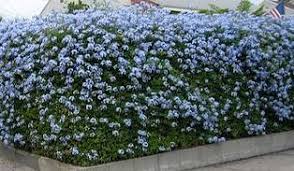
pixel 101 86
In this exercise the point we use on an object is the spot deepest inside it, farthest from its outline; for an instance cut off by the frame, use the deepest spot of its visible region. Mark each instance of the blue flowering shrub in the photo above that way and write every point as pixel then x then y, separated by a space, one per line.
pixel 100 86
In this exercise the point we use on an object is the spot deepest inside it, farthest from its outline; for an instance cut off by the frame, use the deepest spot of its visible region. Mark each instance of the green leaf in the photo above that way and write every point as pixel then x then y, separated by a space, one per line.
pixel 244 6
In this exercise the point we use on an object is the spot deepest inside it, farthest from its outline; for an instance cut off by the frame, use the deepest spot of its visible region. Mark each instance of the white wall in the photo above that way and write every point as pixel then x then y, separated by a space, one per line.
pixel 56 5
pixel 203 4
pixel 21 8
pixel 111 3
pixel 29 8
pixel 53 5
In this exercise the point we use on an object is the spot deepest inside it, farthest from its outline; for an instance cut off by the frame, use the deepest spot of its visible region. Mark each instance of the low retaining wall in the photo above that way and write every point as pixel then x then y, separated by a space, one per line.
pixel 170 161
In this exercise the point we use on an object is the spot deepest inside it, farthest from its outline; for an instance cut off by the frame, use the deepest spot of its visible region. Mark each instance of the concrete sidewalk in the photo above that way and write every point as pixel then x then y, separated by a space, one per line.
pixel 283 161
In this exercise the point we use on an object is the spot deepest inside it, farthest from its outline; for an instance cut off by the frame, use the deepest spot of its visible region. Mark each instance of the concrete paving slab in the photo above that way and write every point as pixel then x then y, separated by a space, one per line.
pixel 214 169
pixel 282 161
pixel 6 165
pixel 290 152
pixel 268 163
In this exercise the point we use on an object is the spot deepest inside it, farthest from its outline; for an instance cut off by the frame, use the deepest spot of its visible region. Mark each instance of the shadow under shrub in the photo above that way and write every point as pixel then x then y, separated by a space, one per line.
pixel 100 86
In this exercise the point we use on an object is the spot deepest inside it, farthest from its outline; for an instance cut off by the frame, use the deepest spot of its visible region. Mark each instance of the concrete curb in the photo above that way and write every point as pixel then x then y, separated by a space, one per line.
pixel 170 161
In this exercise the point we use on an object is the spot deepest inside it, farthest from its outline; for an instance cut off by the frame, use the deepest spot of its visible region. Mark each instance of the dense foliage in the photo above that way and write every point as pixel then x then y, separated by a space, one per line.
pixel 74 6
pixel 214 9
pixel 244 6
pixel 99 86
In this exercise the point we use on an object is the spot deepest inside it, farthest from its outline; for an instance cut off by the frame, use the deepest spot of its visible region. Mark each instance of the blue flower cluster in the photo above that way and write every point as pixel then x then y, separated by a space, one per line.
pixel 99 86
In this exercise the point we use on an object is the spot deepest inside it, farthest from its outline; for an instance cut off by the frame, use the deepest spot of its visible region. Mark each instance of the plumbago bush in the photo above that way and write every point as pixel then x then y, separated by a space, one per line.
pixel 100 86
